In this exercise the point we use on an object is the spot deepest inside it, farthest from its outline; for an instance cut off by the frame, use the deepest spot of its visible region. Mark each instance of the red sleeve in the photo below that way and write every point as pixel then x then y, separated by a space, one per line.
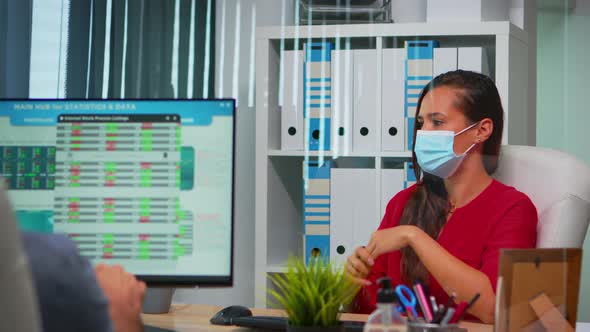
pixel 365 300
pixel 516 229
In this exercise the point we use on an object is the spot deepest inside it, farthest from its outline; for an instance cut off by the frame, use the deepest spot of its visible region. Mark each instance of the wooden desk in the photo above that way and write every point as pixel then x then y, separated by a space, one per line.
pixel 194 317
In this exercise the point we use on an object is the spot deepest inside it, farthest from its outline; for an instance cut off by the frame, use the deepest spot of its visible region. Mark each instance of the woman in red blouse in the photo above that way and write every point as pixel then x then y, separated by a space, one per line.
pixel 448 229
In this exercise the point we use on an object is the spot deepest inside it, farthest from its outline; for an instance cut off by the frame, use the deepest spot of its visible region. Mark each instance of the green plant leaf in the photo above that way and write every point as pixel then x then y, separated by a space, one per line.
pixel 312 294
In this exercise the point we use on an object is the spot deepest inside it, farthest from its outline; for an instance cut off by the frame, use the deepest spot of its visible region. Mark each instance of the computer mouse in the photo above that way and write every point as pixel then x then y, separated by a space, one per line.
pixel 225 315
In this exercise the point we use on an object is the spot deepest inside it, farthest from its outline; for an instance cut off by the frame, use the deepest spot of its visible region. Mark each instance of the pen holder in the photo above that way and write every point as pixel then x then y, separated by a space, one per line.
pixel 428 327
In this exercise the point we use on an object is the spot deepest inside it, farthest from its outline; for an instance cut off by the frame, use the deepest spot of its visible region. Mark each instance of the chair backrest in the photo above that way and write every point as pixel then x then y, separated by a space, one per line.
pixel 559 186
pixel 18 302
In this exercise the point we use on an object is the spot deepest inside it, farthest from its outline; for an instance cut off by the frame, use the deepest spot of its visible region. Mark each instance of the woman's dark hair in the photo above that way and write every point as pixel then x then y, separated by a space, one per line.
pixel 428 206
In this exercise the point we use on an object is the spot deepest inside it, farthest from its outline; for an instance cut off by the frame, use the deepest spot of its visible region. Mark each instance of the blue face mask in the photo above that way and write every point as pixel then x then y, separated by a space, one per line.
pixel 435 153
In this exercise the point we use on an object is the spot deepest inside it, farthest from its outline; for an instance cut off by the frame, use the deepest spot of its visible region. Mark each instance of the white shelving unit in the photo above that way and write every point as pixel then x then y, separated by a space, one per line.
pixel 279 182
pixel 328 154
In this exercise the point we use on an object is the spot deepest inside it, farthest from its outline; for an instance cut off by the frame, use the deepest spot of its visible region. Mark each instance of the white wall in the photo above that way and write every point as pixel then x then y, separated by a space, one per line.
pixel 562 113
pixel 233 70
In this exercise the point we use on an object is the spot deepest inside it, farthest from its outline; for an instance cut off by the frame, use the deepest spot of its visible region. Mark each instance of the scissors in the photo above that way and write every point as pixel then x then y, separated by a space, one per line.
pixel 407 299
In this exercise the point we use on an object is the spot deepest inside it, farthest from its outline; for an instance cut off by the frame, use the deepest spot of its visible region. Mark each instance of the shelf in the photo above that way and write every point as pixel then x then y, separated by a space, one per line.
pixel 279 173
pixel 393 29
pixel 276 269
pixel 400 154
pixel 283 153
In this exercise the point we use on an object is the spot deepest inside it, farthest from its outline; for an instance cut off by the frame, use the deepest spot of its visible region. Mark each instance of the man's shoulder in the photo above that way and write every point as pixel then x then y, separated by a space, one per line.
pixel 55 253
pixel 49 244
pixel 54 260
pixel 66 285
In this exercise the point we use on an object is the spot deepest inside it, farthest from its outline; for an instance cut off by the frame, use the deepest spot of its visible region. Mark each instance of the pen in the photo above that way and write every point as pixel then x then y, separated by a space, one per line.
pixel 434 305
pixel 469 305
pixel 443 309
pixel 448 316
pixel 459 310
pixel 419 291
pixel 439 314
pixel 451 300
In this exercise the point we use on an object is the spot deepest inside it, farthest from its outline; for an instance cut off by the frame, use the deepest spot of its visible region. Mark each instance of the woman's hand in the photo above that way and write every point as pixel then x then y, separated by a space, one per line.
pixel 359 264
pixel 391 239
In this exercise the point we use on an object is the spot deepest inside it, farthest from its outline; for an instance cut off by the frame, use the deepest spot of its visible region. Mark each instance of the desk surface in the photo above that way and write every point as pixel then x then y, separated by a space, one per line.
pixel 195 317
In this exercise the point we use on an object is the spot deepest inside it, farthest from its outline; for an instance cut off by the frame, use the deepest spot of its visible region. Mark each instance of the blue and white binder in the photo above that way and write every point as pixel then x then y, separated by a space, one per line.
pixel 419 71
pixel 316 210
pixel 317 95
pixel 409 175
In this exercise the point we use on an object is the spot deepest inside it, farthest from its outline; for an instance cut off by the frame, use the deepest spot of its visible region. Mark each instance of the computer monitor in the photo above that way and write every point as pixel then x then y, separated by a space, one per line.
pixel 147 184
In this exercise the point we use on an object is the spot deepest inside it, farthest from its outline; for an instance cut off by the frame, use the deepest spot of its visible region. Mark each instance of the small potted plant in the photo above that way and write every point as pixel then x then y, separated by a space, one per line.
pixel 313 294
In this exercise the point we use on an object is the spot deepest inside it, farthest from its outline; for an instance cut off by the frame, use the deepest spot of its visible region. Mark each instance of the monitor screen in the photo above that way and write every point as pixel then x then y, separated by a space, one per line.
pixel 147 184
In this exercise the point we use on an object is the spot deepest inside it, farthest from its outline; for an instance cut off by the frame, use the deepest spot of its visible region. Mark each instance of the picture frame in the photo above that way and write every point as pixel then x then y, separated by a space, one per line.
pixel 526 275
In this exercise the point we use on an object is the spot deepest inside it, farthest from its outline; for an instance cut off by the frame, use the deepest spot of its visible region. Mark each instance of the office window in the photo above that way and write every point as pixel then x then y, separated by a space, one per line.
pixel 49 39
pixel 108 48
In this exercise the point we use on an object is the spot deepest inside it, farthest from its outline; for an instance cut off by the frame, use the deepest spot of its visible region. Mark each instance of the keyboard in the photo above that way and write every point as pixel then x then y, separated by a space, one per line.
pixel 280 323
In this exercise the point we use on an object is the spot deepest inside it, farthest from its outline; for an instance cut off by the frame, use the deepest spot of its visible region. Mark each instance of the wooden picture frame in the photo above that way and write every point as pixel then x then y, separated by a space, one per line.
pixel 525 274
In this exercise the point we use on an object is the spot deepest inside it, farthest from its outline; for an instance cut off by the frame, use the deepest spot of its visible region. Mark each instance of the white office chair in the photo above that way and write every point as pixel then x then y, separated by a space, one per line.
pixel 18 302
pixel 559 186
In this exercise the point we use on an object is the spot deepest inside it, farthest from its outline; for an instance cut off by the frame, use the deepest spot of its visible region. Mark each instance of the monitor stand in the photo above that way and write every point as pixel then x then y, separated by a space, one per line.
pixel 157 300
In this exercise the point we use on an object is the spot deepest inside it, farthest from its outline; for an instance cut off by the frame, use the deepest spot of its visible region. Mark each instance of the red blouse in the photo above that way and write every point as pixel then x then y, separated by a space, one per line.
pixel 499 217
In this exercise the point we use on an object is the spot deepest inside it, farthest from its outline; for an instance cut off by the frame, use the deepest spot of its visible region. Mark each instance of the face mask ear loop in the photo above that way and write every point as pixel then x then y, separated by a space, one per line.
pixel 466 129
pixel 469 149
pixel 472 145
